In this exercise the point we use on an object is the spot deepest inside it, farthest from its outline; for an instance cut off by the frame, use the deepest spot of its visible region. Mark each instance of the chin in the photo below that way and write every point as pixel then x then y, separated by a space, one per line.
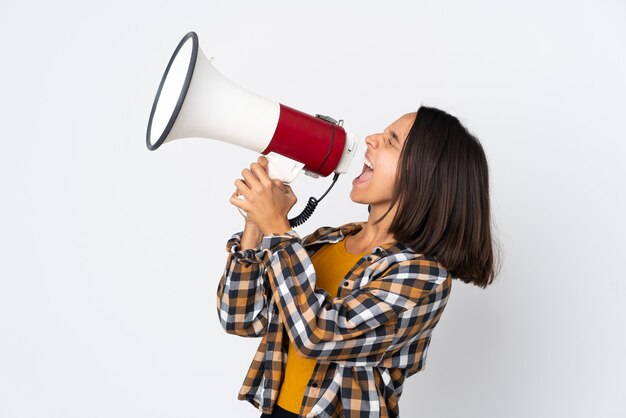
pixel 358 199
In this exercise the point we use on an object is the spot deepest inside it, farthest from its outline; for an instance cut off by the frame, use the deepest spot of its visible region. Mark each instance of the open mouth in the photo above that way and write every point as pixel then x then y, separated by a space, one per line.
pixel 367 173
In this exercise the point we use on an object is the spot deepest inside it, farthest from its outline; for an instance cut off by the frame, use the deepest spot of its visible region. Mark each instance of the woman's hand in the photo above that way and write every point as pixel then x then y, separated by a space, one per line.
pixel 267 202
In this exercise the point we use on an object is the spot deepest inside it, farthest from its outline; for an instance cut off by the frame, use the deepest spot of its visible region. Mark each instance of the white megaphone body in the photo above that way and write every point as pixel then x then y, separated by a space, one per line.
pixel 195 101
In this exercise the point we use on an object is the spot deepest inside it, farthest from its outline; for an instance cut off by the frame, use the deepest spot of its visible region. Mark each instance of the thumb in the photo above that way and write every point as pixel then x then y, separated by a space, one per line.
pixel 288 190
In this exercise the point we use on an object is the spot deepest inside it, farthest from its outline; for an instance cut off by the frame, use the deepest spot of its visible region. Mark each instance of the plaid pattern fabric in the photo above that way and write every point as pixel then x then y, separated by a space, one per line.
pixel 367 339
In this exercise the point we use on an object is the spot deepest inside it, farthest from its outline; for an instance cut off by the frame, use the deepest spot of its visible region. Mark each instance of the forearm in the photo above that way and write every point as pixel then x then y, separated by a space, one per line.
pixel 251 237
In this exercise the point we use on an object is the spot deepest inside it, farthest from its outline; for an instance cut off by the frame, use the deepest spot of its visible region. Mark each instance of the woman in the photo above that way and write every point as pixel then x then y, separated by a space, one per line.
pixel 346 313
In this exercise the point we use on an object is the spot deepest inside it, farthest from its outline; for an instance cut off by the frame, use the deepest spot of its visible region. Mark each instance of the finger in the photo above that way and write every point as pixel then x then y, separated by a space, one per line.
pixel 251 179
pixel 287 189
pixel 242 188
pixel 240 203
pixel 280 185
pixel 290 193
pixel 237 194
pixel 264 162
pixel 261 173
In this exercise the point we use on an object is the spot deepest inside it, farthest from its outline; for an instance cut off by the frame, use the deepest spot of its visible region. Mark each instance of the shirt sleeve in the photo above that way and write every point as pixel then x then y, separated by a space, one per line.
pixel 242 292
pixel 401 302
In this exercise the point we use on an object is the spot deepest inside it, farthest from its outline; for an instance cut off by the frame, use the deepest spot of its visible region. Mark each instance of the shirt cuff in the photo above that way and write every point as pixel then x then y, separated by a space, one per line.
pixel 260 254
pixel 274 242
pixel 244 257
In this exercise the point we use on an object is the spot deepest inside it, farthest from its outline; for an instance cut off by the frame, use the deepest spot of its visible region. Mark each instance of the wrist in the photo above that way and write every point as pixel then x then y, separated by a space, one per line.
pixel 277 228
pixel 252 228
pixel 251 237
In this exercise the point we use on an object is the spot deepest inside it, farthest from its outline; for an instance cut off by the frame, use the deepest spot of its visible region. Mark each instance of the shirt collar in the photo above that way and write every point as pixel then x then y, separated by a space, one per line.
pixel 339 233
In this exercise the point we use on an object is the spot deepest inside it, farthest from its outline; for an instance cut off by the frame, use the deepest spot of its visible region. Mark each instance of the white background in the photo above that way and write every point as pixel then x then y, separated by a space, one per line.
pixel 110 254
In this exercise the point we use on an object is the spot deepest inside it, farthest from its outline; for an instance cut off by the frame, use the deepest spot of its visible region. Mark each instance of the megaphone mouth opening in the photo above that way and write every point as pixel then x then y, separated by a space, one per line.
pixel 181 97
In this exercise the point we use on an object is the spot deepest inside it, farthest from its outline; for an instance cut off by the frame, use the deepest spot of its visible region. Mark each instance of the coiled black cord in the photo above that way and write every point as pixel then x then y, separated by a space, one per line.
pixel 310 207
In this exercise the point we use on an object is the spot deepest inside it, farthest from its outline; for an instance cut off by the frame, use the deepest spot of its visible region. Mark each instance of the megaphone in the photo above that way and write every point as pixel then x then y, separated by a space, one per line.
pixel 195 101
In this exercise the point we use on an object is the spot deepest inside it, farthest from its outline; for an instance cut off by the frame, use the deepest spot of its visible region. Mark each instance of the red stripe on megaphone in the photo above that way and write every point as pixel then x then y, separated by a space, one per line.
pixel 315 142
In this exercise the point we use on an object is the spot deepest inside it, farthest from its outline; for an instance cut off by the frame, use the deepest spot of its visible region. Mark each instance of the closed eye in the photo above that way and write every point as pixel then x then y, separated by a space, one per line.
pixel 394 141
pixel 393 137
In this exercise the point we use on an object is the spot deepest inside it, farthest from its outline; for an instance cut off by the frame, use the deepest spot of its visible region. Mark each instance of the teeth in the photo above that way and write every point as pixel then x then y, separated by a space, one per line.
pixel 369 164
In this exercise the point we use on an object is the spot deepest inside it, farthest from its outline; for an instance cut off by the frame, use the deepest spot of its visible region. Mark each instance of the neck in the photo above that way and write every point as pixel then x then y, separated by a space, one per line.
pixel 376 234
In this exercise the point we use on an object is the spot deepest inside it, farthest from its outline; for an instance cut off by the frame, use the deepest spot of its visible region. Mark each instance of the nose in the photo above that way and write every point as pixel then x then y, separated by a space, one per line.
pixel 372 141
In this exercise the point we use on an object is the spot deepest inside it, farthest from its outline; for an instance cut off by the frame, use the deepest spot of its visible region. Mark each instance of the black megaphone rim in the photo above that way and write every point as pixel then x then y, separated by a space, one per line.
pixel 181 97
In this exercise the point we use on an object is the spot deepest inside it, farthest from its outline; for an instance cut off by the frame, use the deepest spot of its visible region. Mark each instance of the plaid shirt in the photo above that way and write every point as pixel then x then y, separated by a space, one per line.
pixel 367 338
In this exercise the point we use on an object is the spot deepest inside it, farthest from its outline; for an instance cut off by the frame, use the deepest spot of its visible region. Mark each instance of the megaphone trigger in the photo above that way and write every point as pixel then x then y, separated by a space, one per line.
pixel 283 168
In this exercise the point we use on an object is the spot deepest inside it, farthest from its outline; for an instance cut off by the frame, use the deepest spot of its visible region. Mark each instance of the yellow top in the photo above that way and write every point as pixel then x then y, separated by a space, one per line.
pixel 332 262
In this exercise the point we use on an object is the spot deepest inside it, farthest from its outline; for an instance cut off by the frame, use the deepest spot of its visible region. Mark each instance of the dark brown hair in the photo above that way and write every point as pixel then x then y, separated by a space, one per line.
pixel 442 196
